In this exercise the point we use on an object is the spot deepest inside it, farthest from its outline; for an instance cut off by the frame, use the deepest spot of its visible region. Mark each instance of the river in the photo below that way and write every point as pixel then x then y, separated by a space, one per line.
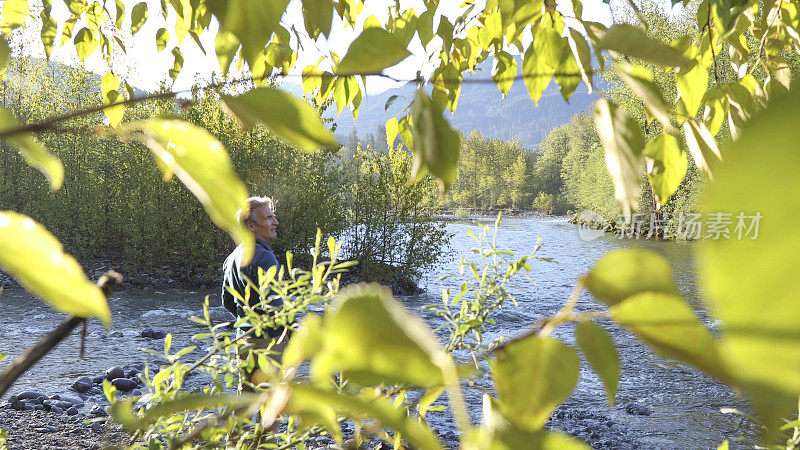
pixel 684 404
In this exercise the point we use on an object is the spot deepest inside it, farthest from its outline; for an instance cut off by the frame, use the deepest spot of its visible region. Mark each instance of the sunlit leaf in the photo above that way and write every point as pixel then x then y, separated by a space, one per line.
pixel 317 16
pixel 109 89
pixel 120 13
pixel 532 376
pixel 122 411
pixel 15 12
pixel 504 70
pixel 750 278
pixel 666 166
pixel 66 33
pixel 251 22
pixel 226 46
pixel 623 142
pixel 85 43
pixel 177 63
pixel 37 260
pixel 391 132
pixel 631 41
pixel 289 117
pixel 305 343
pixel 435 143
pixel 513 438
pixel 668 325
pixel 580 50
pixel 692 81
pixel 162 36
pixel 138 17
pixel 600 351
pixel 368 332
pixel 203 165
pixel 372 51
pixel 417 433
pixel 48 34
pixel 622 273
pixel 565 76
pixel 701 144
pixel 640 80
pixel 33 152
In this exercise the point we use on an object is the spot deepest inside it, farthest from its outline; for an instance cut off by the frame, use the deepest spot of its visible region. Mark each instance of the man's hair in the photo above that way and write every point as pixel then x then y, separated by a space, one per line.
pixel 254 203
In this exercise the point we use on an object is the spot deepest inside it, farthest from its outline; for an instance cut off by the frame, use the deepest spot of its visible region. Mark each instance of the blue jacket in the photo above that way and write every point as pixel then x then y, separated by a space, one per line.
pixel 234 277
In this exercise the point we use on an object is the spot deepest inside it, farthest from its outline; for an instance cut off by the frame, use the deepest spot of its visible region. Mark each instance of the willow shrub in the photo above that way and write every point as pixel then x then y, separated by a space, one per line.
pixel 114 205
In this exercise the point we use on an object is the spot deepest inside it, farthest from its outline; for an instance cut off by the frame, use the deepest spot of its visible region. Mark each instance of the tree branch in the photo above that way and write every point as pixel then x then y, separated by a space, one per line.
pixel 108 282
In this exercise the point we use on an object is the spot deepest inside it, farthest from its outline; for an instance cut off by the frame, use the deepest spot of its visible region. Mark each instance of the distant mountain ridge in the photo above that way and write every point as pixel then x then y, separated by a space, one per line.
pixel 482 108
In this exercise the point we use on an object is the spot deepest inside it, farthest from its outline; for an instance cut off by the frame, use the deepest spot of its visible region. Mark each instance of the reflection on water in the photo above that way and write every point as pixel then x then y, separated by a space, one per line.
pixel 685 404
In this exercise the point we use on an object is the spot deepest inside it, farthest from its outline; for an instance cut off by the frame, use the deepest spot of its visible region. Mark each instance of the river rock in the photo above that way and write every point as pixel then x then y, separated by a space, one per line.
pixel 98 411
pixel 116 334
pixel 77 401
pixel 98 379
pixel 638 409
pixel 56 410
pixel 124 384
pixel 114 372
pixel 153 334
pixel 60 404
pixel 31 395
pixel 83 384
pixel 72 411
pixel 131 373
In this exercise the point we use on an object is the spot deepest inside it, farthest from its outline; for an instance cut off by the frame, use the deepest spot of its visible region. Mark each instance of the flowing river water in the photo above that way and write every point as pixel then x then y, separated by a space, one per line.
pixel 683 404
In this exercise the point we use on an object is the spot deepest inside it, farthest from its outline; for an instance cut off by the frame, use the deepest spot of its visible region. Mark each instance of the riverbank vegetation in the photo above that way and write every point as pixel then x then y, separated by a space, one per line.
pixel 114 206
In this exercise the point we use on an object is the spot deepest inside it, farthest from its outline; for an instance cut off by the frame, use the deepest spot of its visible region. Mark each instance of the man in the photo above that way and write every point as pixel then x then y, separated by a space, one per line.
pixel 262 222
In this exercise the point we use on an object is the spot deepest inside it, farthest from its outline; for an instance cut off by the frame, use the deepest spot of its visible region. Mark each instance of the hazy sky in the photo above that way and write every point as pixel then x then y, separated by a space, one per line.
pixel 145 69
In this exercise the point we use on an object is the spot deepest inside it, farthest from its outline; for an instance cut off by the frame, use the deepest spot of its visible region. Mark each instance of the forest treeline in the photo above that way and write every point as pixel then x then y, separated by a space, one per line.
pixel 114 204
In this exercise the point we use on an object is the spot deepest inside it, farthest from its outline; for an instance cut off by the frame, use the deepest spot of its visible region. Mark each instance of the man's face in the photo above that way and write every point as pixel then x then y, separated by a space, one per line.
pixel 265 224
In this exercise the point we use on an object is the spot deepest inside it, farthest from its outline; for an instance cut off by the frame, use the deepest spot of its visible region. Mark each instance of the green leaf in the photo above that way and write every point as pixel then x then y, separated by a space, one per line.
pixel 37 260
pixel 750 282
pixel 368 332
pixel 640 80
pixel 109 88
pixel 580 50
pixel 511 438
pixel 701 144
pixel 289 117
pixel 391 132
pixel 366 406
pixel 435 143
pixel 504 70
pixel 669 326
pixel 600 351
pixel 623 142
pixel 251 22
pixel 85 43
pixel 536 74
pixel 3 356
pixel 389 102
pixel 66 33
pixel 138 17
pixel 203 165
pixel 692 80
pixel 532 376
pixel 425 26
pixel 226 46
pixel 120 13
pixel 33 152
pixel 372 51
pixel 305 342
pixel 631 41
pixel 622 273
pixel 162 36
pixel 122 411
pixel 666 166
pixel 177 63
pixel 15 12
pixel 565 76
pixel 48 35
pixel 317 15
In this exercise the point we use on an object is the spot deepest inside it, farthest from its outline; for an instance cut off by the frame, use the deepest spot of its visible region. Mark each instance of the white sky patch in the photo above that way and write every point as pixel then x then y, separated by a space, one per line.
pixel 146 68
